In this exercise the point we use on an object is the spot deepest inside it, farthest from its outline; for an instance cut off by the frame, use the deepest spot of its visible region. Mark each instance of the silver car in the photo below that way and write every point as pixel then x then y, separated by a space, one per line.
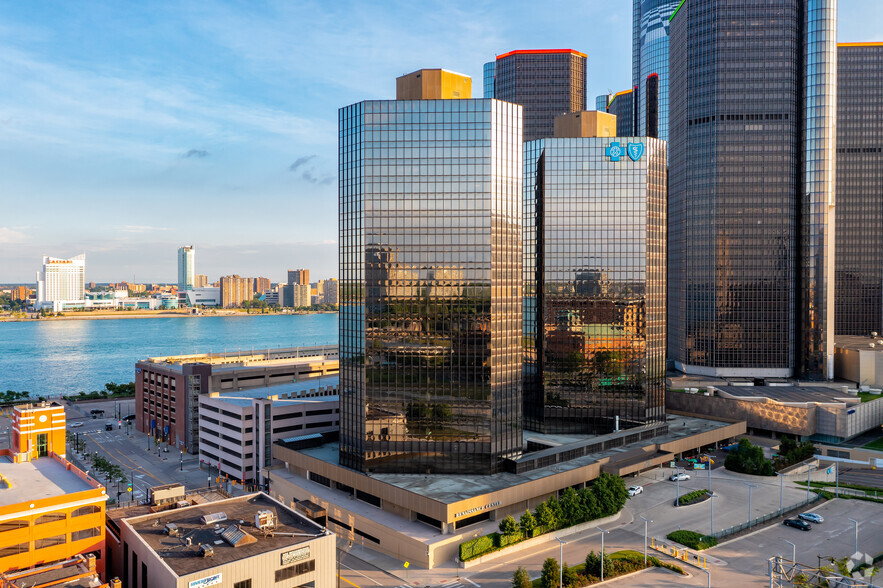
pixel 811 517
pixel 635 490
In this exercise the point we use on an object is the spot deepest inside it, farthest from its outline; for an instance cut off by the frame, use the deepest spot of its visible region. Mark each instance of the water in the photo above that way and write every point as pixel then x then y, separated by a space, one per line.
pixel 49 358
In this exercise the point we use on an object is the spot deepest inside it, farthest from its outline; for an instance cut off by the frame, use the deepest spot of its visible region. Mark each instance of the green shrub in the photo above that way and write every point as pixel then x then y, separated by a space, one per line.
pixel 508 526
pixel 476 547
pixel 506 540
pixel 549 576
pixel 691 497
pixel 748 458
pixel 521 579
pixel 692 539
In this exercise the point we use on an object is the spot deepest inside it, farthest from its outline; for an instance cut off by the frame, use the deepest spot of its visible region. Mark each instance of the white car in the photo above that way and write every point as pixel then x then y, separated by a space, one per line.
pixel 635 490
pixel 75 425
pixel 680 476
pixel 811 517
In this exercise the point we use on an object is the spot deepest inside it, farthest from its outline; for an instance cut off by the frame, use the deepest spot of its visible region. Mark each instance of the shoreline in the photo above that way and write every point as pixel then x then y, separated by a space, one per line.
pixel 86 316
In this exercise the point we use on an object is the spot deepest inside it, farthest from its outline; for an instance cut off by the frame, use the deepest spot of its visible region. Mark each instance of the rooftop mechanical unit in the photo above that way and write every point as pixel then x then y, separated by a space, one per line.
pixel 265 520
pixel 171 529
pixel 215 517
pixel 206 550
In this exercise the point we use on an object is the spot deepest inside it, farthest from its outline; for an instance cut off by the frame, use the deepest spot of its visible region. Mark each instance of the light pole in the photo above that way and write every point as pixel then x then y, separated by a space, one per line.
pixel 603 532
pixel 646 520
pixel 708 576
pixel 781 489
pixel 711 500
pixel 808 470
pixel 836 480
pixel 750 488
pixel 561 544
pixel 855 522
pixel 182 460
pixel 793 551
pixel 678 486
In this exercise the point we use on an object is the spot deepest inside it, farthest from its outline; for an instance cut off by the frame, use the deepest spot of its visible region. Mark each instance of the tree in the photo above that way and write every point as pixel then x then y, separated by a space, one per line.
pixel 748 458
pixel 521 579
pixel 571 507
pixel 593 564
pixel 555 507
pixel 527 523
pixel 610 492
pixel 550 575
pixel 508 526
pixel 546 517
pixel 589 502
pixel 568 576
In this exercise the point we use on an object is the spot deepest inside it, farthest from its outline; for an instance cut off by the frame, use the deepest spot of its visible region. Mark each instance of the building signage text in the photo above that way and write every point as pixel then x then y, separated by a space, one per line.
pixel 204 582
pixel 295 555
pixel 477 509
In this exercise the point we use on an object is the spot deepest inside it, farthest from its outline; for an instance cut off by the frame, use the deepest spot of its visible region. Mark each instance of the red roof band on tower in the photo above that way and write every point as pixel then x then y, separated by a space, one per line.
pixel 535 51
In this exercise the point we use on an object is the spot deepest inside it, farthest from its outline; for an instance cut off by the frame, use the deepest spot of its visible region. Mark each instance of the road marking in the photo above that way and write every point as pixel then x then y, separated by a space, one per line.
pixel 348 582
pixel 473 583
pixel 361 574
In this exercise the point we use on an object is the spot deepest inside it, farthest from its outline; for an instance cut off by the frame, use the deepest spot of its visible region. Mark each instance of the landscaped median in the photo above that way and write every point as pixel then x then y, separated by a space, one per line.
pixel 692 539
pixel 604 498
pixel 694 497
pixel 618 563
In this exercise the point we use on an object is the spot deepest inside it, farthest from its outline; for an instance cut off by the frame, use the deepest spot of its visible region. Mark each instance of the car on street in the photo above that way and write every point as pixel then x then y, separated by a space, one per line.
pixel 797 524
pixel 75 425
pixel 129 418
pixel 811 517
pixel 108 426
pixel 679 477
pixel 635 490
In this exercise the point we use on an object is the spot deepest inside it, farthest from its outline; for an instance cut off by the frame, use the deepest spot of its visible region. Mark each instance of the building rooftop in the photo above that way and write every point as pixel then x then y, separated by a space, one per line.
pixel 245 357
pixel 859 343
pixel 295 391
pixel 184 559
pixel 789 394
pixel 72 573
pixel 41 478
pixel 454 488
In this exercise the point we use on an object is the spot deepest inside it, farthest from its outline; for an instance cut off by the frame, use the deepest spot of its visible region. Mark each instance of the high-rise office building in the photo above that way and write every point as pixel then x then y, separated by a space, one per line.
pixel 186 267
pixel 546 82
pixel 490 74
pixel 622 106
pixel 650 75
pixel 430 293
pixel 299 276
pixel 61 280
pixel 858 290
pixel 594 280
pixel 751 190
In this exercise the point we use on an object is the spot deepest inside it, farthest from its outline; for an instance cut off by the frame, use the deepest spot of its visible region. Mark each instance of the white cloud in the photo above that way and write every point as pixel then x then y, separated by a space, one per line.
pixel 8 235
pixel 142 229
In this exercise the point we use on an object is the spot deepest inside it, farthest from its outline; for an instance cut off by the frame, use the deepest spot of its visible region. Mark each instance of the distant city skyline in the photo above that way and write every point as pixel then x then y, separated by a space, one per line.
pixel 207 124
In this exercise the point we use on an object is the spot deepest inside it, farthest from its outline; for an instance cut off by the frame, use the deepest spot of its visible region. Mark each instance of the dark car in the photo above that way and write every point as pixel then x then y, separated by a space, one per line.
pixel 797 524
pixel 108 426
pixel 129 418
pixel 96 411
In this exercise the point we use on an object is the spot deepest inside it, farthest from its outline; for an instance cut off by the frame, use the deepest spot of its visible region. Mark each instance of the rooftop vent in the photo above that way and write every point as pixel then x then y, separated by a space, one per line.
pixel 214 517
pixel 171 529
pixel 206 550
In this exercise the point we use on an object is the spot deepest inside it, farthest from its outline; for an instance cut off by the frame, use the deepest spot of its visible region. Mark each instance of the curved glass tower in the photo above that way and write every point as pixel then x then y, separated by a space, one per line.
pixel 650 27
pixel 752 188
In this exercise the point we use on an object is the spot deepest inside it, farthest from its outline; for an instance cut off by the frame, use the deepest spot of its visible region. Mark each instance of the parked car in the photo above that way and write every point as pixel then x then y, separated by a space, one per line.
pixel 679 476
pixel 635 490
pixel 96 411
pixel 108 426
pixel 811 517
pixel 129 418
pixel 76 425
pixel 797 524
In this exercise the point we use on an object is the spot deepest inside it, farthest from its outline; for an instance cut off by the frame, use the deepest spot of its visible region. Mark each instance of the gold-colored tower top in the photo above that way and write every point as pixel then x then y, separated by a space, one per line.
pixel 587 123
pixel 433 84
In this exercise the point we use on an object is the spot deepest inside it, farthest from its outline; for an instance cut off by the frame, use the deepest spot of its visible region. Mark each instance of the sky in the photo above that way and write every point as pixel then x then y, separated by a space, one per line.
pixel 128 129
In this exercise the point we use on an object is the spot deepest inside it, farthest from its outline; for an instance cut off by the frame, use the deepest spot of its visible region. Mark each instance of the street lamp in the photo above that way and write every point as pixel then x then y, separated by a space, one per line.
pixel 645 538
pixel 808 470
pixel 781 489
pixel 678 486
pixel 708 576
pixel 750 488
pixel 182 460
pixel 561 544
pixel 793 552
pixel 711 500
pixel 603 532
pixel 855 523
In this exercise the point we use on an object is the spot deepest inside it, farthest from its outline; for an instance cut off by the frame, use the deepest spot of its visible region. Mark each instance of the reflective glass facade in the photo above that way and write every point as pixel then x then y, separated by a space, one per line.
pixel 859 234
pixel 751 187
pixel 623 107
pixel 594 275
pixel 490 71
pixel 430 285
pixel 545 82
pixel 650 40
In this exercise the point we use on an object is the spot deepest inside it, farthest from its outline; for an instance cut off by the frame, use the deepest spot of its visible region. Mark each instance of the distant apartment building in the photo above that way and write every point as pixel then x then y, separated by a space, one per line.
pixel 20 293
pixel 61 281
pixel 235 290
pixel 167 389
pixel 299 276
pixel 237 429
pixel 50 511
pixel 186 267
pixel 328 291
pixel 200 281
pixel 301 295
pixel 261 285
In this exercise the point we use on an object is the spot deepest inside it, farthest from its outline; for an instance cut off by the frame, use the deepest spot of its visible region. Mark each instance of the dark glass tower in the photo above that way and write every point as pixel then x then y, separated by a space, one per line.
pixel 751 190
pixel 430 285
pixel 650 72
pixel 594 274
pixel 859 235
pixel 489 73
pixel 546 82
pixel 622 105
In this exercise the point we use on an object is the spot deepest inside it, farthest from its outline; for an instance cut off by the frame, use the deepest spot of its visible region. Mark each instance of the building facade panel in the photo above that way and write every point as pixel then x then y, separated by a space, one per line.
pixel 650 71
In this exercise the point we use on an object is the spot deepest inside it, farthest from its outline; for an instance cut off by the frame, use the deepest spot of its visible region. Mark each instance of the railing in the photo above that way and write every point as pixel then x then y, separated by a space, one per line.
pixel 767 517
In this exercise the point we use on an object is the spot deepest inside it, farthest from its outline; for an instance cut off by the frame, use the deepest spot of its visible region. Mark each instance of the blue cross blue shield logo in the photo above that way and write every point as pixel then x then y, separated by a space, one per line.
pixel 635 150
pixel 613 151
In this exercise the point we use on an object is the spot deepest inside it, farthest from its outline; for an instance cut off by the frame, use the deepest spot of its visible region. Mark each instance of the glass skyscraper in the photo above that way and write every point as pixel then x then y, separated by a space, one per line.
pixel 751 190
pixel 859 235
pixel 430 285
pixel 489 74
pixel 650 73
pixel 186 267
pixel 546 82
pixel 594 275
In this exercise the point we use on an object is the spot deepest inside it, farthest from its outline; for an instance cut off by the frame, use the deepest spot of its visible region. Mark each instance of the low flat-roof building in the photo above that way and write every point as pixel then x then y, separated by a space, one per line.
pixel 423 519
pixel 167 389
pixel 237 429
pixel 860 360
pixel 78 572
pixel 249 540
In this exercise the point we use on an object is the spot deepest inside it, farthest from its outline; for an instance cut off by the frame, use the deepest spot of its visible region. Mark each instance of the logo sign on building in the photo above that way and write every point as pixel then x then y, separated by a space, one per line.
pixel 635 151
pixel 295 555
pixel 205 582
pixel 613 151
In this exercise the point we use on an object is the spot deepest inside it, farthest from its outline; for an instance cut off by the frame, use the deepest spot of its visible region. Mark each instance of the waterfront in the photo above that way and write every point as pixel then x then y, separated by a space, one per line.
pixel 65 357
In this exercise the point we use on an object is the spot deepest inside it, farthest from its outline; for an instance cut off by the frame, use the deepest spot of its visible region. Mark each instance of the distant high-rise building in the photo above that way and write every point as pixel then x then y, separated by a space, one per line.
pixel 186 267
pixel 594 280
pixel 546 82
pixel 235 290
pixel 622 106
pixel 330 291
pixel 489 73
pixel 20 293
pixel 299 276
pixel 261 285
pixel 751 193
pixel 430 328
pixel 61 280
pixel 300 295
pixel 200 281
pixel 650 75
pixel 859 235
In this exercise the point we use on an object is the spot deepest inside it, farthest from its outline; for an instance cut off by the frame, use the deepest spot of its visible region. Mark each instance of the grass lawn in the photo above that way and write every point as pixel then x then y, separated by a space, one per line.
pixel 867 396
pixel 878 444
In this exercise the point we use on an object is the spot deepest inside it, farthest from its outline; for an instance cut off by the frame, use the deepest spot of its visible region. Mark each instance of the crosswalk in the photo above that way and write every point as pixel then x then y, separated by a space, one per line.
pixel 456 583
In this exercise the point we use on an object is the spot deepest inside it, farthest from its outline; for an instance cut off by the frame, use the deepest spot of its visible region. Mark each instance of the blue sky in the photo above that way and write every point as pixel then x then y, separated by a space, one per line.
pixel 128 129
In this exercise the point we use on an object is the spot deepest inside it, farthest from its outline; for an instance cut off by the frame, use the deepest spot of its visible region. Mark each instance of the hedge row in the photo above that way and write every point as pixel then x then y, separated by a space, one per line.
pixel 692 539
